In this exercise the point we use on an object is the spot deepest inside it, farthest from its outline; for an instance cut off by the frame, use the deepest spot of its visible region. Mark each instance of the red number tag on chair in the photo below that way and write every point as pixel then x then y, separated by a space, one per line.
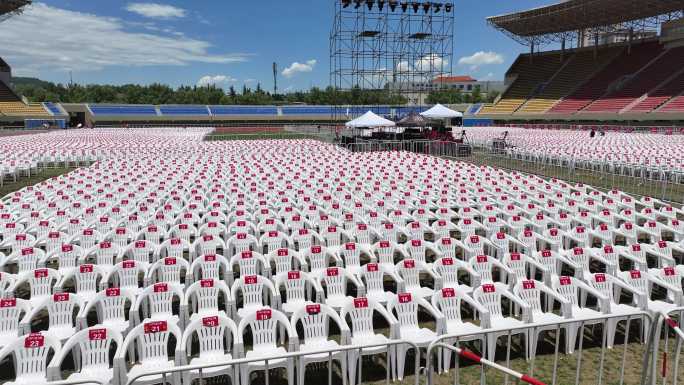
pixel 669 271
pixel 128 264
pixel 161 287
pixel 155 327
pixel 515 256
pixel 635 274
pixel 474 239
pixel 283 252
pixel 372 267
pixel 313 309
pixel 578 251
pixel 210 258
pixel 600 277
pixel 40 273
pixel 247 254
pixel 8 302
pixel 293 275
pixel 207 283
pixel 97 334
pixel 263 314
pixel 564 281
pixel 528 285
pixel 316 249
pixel 170 261
pixel 250 279
pixel 332 272
pixel 210 322
pixel 448 292
pixel 60 297
pixel 113 292
pixel 404 297
pixel 636 247
pixel 360 303
pixel 416 242
pixel 409 263
pixel 488 288
pixel 34 340
pixel 481 259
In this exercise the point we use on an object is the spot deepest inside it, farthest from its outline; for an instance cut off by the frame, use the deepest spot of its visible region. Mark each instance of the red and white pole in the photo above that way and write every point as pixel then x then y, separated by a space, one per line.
pixel 467 354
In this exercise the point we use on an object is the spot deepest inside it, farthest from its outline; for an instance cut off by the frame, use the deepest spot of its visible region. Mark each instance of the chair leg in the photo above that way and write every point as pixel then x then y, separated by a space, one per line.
pixel 401 361
pixel 352 361
pixel 301 369
pixel 290 372
pixel 491 347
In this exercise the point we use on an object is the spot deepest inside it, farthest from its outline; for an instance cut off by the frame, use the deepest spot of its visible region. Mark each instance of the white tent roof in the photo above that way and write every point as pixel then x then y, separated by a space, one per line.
pixel 369 119
pixel 441 112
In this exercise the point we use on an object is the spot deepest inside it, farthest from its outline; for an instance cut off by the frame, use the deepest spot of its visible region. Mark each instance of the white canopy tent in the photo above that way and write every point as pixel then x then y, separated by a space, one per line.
pixel 369 123
pixel 440 112
pixel 370 120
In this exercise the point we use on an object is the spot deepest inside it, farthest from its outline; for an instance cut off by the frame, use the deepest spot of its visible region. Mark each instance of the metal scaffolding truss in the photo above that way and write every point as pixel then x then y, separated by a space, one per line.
pixel 571 20
pixel 390 46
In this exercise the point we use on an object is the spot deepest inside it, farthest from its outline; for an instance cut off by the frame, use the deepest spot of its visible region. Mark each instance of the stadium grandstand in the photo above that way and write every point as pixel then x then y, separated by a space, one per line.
pixel 608 62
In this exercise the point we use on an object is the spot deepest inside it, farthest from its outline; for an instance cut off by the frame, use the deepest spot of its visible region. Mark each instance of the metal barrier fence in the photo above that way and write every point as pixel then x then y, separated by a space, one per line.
pixel 649 178
pixel 237 364
pixel 531 373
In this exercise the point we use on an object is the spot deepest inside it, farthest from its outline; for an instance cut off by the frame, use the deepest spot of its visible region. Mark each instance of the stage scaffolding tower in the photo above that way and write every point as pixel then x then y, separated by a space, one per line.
pixel 389 47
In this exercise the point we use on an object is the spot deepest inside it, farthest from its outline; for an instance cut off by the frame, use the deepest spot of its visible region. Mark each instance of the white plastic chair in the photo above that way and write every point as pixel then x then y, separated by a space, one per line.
pixel 300 290
pixel 12 311
pixel 61 310
pixel 314 319
pixel 91 346
pixel 30 357
pixel 218 342
pixel 110 307
pixel 264 324
pixel 257 292
pixel 156 303
pixel 333 283
pixel 203 297
pixel 373 278
pixel 361 311
pixel 406 307
pixel 149 342
pixel 489 295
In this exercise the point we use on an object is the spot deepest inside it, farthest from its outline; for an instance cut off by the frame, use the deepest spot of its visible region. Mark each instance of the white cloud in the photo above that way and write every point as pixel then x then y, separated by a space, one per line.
pixel 87 42
pixel 296 68
pixel 247 81
pixel 216 80
pixel 156 10
pixel 481 58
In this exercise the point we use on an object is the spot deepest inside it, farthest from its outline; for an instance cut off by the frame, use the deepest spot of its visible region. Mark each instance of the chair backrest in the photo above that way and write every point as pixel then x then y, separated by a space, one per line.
pixel 448 301
pixel 151 340
pixel 28 258
pixel 169 269
pixel 141 251
pixel 205 294
pixel 216 334
pixel 567 287
pixel 252 288
pixel 406 307
pixel 298 285
pixel 41 282
pixel 530 292
pixel 489 296
pixel 60 308
pixel 264 325
pixel 250 263
pixel 159 299
pixel 110 304
pixel 211 266
pixel 314 319
pixel 30 354
pixel 128 274
pixel 68 256
pixel 12 310
pixel 360 311
pixel 516 262
pixel 94 345
pixel 385 251
pixel 351 254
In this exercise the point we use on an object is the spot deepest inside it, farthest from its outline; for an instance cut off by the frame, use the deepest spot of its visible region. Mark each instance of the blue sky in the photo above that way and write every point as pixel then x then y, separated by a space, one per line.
pixel 225 42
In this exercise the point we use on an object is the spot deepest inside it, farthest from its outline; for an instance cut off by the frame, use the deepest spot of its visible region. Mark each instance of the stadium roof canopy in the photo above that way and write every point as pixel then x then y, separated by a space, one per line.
pixel 555 21
pixel 10 7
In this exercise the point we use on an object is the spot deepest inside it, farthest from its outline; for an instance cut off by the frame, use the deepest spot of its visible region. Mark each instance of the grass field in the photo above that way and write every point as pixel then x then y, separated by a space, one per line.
pixel 10 186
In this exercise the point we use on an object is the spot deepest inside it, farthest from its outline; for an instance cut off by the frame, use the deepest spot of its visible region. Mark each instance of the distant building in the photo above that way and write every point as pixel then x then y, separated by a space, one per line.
pixel 417 92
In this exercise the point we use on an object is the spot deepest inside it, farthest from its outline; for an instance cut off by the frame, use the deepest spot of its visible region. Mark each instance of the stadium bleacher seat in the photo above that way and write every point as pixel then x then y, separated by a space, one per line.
pixel 531 74
pixel 6 94
pixel 578 68
pixel 243 110
pixel 307 110
pixel 53 108
pixel 115 109
pixel 184 110
pixel 625 64
pixel 662 95
pixel 647 79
